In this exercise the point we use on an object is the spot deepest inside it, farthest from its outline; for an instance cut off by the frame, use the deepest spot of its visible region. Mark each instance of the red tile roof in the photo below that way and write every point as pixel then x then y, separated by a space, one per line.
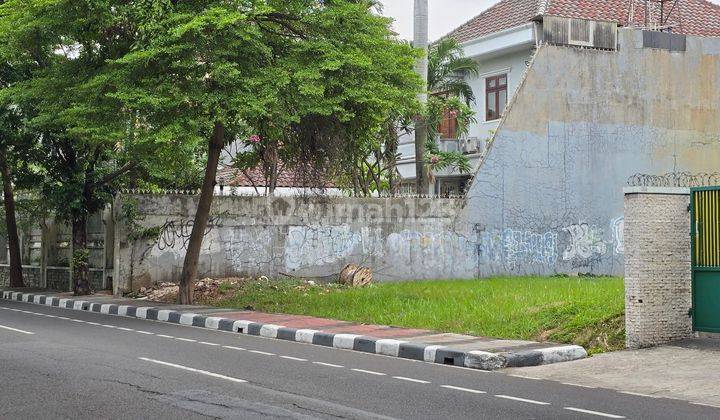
pixel 690 17
pixel 255 177
pixel 503 15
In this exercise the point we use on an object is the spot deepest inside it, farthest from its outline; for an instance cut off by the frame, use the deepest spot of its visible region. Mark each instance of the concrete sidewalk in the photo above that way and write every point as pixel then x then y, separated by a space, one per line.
pixel 688 370
pixel 430 346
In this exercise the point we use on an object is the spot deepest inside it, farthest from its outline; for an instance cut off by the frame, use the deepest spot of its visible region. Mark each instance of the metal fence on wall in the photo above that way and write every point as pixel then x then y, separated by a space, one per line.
pixel 675 179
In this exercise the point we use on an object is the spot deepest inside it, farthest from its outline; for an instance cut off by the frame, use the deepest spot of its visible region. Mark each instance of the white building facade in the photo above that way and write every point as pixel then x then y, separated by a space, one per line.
pixel 502 59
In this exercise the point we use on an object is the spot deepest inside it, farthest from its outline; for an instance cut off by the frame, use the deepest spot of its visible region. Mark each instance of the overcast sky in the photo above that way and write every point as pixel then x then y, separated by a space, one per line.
pixel 445 15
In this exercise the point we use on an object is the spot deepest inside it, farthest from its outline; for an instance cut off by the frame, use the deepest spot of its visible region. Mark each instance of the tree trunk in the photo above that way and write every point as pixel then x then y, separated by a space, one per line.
pixel 421 136
pixel 16 276
pixel 392 149
pixel 80 263
pixel 420 40
pixel 202 215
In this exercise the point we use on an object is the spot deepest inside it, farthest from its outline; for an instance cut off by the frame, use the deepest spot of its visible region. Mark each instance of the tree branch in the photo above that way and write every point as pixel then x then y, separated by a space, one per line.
pixel 116 174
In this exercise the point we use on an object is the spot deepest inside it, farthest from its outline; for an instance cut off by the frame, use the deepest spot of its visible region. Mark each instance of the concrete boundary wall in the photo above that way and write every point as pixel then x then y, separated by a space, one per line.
pixel 399 238
pixel 658 283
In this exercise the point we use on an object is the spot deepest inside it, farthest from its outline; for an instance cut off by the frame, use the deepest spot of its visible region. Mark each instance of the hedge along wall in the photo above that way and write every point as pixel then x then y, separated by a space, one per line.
pixel 399 238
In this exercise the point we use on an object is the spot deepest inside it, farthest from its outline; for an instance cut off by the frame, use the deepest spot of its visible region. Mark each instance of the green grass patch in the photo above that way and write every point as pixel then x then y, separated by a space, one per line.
pixel 584 311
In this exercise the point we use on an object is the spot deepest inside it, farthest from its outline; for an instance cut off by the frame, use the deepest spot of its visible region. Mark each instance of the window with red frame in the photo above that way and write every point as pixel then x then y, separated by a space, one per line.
pixel 495 96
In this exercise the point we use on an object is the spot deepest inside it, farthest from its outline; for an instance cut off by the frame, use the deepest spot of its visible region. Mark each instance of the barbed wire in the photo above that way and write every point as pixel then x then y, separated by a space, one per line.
pixel 306 195
pixel 675 179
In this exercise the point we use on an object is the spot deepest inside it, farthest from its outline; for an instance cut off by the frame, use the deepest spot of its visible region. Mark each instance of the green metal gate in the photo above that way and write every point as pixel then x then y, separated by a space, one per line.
pixel 705 248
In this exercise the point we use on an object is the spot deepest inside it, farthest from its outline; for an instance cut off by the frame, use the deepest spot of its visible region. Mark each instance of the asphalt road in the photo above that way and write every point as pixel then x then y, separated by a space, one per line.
pixel 59 363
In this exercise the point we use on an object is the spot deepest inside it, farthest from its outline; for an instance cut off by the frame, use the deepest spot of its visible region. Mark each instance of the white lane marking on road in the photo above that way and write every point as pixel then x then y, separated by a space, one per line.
pixel 145 332
pixel 637 394
pixel 189 340
pixel 51 316
pixel 262 352
pixel 525 400
pixel 596 413
pixel 16 330
pixel 581 386
pixel 459 388
pixel 189 369
pixel 108 326
pixel 208 344
pixel 526 377
pixel 297 359
pixel 165 336
pixel 77 320
pixel 328 364
pixel 706 404
pixel 369 372
pixel 234 348
pixel 418 381
pixel 125 329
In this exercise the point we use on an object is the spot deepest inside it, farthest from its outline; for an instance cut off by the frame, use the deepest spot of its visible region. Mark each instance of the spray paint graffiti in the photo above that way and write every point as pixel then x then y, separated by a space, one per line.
pixel 177 232
pixel 585 242
pixel 432 251
pixel 618 231
pixel 513 248
pixel 309 246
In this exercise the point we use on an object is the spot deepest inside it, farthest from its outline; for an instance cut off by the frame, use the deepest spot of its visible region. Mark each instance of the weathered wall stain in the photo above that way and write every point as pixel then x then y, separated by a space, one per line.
pixel 582 124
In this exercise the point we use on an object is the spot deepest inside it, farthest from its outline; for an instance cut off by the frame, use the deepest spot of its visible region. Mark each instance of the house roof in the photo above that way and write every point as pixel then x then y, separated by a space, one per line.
pixel 255 177
pixel 690 17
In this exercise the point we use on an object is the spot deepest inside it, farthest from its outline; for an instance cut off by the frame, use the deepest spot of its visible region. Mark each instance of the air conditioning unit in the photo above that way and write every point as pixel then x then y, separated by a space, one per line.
pixel 580 32
pixel 470 145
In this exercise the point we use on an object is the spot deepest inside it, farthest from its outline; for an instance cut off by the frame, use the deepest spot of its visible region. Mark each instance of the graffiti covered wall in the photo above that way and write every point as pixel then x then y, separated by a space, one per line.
pixel 548 197
pixel 400 238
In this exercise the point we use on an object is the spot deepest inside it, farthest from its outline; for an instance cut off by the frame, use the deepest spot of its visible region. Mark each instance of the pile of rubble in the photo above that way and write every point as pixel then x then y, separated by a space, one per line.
pixel 205 289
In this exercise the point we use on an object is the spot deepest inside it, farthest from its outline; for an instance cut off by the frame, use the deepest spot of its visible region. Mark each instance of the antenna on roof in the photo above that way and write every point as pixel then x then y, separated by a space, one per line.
pixel 657 15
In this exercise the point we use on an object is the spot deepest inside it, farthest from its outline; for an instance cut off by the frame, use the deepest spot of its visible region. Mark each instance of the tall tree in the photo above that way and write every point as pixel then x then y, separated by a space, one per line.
pixel 196 74
pixel 16 276
pixel 420 41
pixel 83 132
pixel 17 149
pixel 315 78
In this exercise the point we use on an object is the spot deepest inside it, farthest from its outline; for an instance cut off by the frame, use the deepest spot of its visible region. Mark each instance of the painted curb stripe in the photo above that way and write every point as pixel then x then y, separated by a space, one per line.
pixel 226 324
pixel 364 344
pixel 174 317
pixel 288 334
pixel 305 336
pixel 323 339
pixel 344 341
pixel 212 322
pixel 413 351
pixel 389 347
pixel 198 321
